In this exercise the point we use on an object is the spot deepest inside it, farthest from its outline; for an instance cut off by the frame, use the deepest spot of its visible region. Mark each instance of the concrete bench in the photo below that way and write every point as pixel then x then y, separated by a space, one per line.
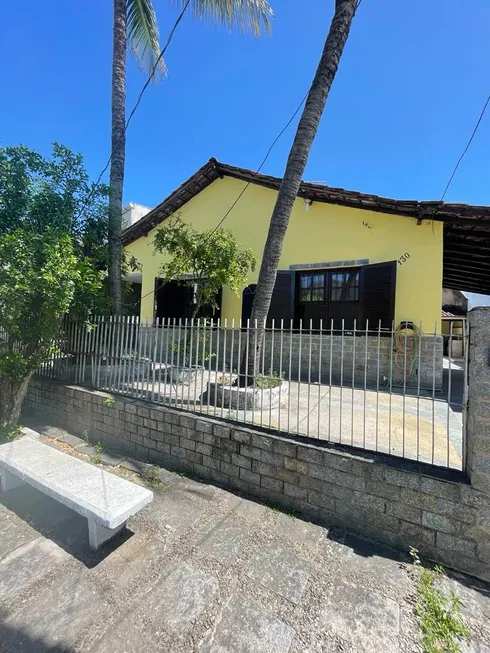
pixel 105 499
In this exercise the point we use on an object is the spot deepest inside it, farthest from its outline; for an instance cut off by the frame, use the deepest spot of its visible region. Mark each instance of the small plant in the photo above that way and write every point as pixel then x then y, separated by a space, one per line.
pixel 9 434
pixel 86 436
pixel 266 381
pixel 151 479
pixel 438 614
pixel 109 402
pixel 96 457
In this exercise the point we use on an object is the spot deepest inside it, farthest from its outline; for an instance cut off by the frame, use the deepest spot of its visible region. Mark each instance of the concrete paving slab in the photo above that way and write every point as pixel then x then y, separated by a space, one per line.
pixel 302 532
pixel 26 565
pixel 72 440
pixel 111 459
pixel 13 534
pixel 55 617
pixel 250 510
pixel 472 647
pixel 180 599
pixel 280 570
pixel 367 620
pixel 382 564
pixel 223 540
pixel 127 636
pixel 87 449
pixel 475 596
pixel 245 626
pixel 176 516
pixel 136 466
pixel 129 562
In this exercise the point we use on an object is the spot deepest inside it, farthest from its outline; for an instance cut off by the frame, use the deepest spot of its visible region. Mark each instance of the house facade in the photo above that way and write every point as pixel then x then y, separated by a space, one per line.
pixel 346 256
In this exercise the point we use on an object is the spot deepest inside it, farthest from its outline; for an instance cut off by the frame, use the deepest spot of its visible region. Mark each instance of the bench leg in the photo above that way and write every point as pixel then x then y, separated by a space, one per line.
pixel 98 534
pixel 9 481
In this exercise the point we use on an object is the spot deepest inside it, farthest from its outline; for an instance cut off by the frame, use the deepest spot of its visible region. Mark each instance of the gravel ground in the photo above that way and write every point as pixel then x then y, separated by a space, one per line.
pixel 204 570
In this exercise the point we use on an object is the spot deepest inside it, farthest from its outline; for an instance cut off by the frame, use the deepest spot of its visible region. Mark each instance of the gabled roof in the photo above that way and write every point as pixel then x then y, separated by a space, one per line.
pixel 466 232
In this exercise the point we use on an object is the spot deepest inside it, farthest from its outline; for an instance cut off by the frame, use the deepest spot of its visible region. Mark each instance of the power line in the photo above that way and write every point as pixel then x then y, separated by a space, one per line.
pixel 133 111
pixel 261 165
pixel 466 148
pixel 235 202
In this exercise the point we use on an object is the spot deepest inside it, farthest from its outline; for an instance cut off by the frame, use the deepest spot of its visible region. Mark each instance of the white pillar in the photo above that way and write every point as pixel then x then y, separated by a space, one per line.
pixel 98 534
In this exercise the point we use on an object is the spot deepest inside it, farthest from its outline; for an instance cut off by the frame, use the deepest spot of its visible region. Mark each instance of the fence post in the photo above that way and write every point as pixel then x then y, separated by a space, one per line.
pixel 478 416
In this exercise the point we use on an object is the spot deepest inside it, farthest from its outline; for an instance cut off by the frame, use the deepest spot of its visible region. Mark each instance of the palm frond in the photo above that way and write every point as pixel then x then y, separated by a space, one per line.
pixel 142 30
pixel 242 15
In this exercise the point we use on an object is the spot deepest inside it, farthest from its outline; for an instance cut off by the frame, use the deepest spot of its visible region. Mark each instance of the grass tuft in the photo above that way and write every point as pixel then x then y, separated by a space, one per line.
pixel 439 614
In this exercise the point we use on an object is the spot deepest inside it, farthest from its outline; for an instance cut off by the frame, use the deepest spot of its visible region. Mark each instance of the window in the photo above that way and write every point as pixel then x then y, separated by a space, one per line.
pixel 326 295
pixel 312 287
pixel 344 286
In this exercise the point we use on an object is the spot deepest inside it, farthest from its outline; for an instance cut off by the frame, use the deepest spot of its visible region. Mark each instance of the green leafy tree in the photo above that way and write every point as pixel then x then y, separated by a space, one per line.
pixel 135 23
pixel 49 213
pixel 205 260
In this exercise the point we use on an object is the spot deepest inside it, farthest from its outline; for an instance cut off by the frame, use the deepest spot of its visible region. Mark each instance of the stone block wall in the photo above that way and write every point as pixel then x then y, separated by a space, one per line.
pixel 396 502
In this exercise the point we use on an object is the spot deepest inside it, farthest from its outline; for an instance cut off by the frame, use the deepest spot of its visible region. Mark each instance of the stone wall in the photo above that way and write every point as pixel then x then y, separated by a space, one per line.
pixel 396 502
pixel 312 357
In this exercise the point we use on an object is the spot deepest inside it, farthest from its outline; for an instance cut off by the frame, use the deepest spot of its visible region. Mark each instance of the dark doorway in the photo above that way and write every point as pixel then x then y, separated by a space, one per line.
pixel 176 301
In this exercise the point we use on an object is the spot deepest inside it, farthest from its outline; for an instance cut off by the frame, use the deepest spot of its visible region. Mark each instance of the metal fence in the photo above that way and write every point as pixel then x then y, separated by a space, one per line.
pixel 401 391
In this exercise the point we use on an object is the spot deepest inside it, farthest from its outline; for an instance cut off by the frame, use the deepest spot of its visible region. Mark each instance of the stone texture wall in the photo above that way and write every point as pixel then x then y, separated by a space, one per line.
pixel 396 502
pixel 310 357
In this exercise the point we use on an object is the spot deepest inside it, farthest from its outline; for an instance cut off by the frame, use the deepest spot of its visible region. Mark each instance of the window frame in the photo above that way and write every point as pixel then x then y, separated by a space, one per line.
pixel 325 308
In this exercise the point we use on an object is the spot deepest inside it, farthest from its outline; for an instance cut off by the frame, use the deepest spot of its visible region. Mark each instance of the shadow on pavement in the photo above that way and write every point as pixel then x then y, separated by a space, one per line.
pixel 65 527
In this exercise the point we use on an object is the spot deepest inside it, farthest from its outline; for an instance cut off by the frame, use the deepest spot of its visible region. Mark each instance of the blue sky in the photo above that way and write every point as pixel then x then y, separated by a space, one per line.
pixel 410 86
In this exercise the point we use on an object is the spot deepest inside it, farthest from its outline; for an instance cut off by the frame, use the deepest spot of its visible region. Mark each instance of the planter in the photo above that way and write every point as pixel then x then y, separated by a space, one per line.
pixel 181 375
pixel 236 398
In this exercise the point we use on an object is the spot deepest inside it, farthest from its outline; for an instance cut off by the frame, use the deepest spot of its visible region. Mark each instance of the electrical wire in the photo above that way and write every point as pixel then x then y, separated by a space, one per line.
pixel 466 148
pixel 240 194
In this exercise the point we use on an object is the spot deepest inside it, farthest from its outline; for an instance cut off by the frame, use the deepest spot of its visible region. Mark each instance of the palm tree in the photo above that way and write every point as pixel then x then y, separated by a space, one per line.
pixel 296 163
pixel 135 21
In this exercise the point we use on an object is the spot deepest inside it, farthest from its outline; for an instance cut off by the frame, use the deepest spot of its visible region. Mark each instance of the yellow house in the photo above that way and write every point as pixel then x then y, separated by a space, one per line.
pixel 346 255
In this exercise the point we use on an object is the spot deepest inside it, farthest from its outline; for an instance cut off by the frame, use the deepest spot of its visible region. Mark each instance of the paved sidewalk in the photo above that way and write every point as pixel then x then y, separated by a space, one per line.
pixel 204 571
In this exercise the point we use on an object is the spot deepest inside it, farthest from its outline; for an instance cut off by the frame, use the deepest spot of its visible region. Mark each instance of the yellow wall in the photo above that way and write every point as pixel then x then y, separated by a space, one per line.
pixel 323 234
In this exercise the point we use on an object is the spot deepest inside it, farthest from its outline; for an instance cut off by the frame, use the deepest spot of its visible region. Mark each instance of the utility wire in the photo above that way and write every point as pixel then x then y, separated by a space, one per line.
pixel 466 148
pixel 235 202
pixel 133 111
pixel 261 165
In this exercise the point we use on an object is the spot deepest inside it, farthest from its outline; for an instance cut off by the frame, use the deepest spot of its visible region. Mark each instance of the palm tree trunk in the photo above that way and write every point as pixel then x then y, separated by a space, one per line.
pixel 118 149
pixel 296 163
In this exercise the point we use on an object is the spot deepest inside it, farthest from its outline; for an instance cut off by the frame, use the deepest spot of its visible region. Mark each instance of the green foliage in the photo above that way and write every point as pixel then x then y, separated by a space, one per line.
pixel 151 479
pixel 142 29
pixel 96 457
pixel 205 260
pixel 110 402
pixel 53 225
pixel 253 15
pixel 10 433
pixel 190 349
pixel 439 614
pixel 266 381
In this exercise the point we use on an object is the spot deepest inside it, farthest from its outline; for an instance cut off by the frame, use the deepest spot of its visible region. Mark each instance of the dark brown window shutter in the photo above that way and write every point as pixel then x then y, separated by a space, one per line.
pixel 378 283
pixel 282 304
